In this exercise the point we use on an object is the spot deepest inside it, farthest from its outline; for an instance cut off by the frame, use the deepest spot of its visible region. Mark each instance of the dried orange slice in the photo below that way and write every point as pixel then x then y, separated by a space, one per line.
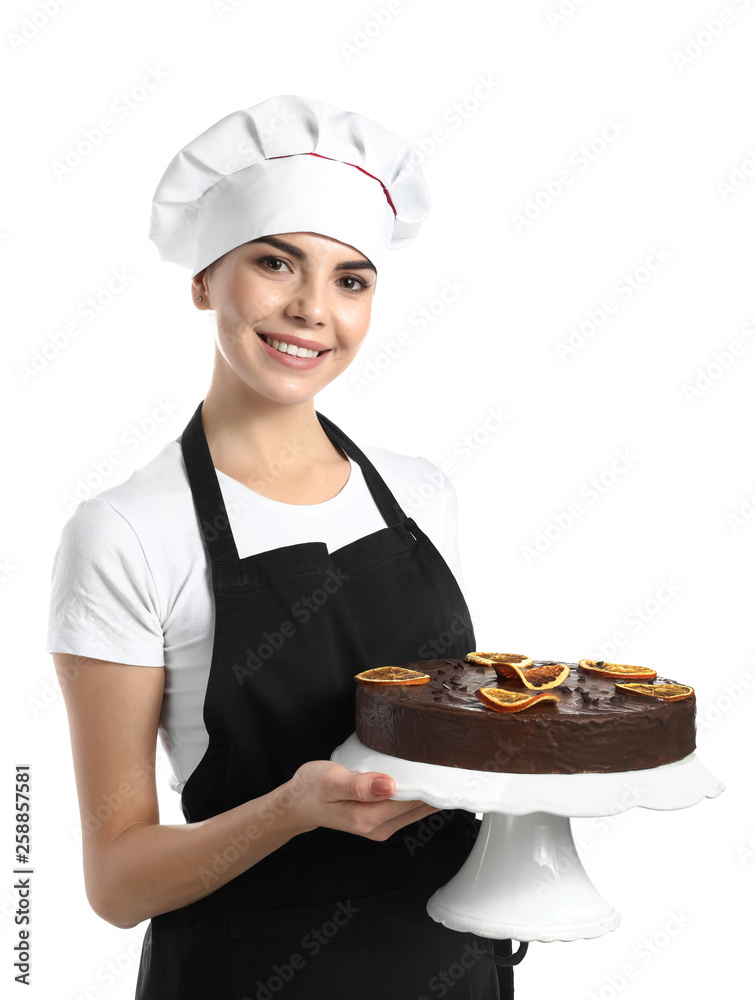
pixel 667 692
pixel 392 675
pixel 623 670
pixel 510 701
pixel 536 678
pixel 498 659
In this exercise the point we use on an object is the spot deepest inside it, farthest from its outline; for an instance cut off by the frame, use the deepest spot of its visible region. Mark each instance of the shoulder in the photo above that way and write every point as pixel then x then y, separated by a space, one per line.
pixel 157 480
pixel 122 555
pixel 156 491
pixel 419 485
pixel 143 525
pixel 426 494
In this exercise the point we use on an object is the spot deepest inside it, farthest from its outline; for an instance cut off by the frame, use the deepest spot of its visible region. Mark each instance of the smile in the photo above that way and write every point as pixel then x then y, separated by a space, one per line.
pixel 292 349
pixel 295 353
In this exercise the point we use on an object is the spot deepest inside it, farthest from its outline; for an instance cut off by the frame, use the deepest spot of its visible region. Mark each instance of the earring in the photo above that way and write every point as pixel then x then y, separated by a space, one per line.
pixel 199 298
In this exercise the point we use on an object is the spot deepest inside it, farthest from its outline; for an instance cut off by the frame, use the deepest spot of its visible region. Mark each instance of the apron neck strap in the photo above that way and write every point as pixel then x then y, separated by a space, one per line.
pixel 208 498
pixel 205 490
pixel 387 504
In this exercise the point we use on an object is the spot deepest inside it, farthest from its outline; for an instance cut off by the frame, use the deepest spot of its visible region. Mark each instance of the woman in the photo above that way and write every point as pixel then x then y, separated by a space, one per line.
pixel 293 876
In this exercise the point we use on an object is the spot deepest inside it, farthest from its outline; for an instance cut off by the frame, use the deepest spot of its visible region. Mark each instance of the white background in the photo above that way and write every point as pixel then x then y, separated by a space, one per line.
pixel 653 552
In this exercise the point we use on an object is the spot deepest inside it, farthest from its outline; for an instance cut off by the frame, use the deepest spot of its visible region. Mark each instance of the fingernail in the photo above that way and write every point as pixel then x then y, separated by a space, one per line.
pixel 382 786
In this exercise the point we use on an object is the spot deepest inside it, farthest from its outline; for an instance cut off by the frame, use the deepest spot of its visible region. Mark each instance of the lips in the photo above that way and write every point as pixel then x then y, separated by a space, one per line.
pixel 293 352
pixel 290 341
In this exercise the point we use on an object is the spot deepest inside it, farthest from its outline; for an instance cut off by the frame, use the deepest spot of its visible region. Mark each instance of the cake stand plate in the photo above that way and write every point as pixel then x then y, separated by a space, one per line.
pixel 524 878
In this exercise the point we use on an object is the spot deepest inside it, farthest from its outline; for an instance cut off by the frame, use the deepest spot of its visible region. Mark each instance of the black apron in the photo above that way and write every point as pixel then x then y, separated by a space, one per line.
pixel 329 914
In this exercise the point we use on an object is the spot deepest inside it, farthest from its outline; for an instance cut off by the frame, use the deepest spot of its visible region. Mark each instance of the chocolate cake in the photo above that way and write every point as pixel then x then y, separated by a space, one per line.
pixel 593 726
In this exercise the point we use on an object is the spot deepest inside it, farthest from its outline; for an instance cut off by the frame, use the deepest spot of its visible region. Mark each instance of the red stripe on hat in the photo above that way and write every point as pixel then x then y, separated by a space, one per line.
pixel 385 189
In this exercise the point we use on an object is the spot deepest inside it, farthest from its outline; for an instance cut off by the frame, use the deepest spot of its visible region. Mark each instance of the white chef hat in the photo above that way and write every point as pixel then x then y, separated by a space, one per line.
pixel 289 164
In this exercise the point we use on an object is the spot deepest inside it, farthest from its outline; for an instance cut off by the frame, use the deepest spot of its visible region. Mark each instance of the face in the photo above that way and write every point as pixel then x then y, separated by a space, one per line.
pixel 308 293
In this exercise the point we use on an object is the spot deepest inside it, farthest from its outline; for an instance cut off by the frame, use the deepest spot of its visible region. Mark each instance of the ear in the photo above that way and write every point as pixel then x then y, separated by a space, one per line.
pixel 199 291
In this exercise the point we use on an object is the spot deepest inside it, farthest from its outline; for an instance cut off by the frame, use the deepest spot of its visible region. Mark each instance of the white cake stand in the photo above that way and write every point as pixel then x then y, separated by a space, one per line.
pixel 524 879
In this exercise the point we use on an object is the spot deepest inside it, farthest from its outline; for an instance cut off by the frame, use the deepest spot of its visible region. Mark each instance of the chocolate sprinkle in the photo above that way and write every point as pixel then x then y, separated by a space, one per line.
pixel 599 730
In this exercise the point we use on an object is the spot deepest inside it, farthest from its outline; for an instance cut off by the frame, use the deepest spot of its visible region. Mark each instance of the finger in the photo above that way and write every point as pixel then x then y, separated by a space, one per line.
pixel 378 820
pixel 417 812
pixel 337 783
pixel 371 786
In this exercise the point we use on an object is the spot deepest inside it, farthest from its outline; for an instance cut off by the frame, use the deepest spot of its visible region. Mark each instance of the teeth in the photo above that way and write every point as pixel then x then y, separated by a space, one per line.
pixel 284 348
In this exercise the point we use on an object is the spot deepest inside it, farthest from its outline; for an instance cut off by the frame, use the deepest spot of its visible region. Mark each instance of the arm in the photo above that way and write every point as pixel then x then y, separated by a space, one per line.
pixel 136 868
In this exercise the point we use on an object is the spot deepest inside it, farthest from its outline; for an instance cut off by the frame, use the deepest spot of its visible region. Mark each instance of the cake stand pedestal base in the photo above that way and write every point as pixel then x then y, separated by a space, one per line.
pixel 524 880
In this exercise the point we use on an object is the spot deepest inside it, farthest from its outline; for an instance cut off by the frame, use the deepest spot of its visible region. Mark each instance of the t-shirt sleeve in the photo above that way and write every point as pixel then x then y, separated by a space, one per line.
pixel 103 601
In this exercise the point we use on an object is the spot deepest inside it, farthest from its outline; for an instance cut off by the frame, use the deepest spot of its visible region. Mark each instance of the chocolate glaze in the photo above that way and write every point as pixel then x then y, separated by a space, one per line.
pixel 592 727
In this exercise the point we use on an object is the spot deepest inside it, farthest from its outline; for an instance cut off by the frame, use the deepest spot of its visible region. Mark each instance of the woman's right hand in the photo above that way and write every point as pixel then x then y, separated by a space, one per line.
pixel 136 867
pixel 323 793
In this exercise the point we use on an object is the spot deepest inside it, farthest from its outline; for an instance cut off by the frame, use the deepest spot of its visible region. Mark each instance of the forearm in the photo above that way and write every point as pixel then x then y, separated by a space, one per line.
pixel 152 868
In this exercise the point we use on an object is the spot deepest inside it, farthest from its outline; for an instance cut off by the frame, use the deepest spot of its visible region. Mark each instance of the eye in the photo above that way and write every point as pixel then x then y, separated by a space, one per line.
pixel 355 284
pixel 274 264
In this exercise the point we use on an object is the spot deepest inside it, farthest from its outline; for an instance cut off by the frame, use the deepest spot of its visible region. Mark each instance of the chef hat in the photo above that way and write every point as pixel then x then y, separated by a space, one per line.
pixel 289 164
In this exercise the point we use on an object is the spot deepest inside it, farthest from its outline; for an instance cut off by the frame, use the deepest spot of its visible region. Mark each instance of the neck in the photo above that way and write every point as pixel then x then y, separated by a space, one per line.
pixel 246 431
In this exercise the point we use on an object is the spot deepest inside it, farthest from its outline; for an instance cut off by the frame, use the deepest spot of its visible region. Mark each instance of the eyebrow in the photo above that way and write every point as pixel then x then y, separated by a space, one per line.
pixel 347 265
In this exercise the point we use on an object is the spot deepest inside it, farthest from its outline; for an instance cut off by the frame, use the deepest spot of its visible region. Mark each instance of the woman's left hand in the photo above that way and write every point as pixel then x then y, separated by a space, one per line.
pixel 323 793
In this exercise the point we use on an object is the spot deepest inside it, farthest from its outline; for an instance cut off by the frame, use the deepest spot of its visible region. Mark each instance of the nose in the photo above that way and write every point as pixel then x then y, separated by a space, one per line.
pixel 309 301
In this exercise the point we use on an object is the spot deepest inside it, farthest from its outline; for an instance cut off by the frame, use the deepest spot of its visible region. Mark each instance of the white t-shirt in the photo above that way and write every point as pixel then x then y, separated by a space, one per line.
pixel 131 580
